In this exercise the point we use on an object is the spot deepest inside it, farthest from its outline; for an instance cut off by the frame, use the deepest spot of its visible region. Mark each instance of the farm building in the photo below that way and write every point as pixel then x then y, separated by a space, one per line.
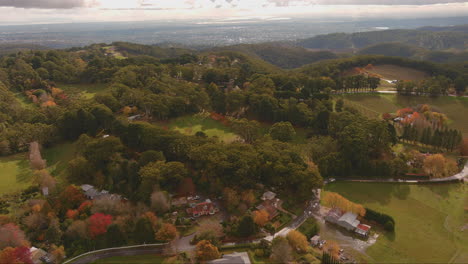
pixel 348 221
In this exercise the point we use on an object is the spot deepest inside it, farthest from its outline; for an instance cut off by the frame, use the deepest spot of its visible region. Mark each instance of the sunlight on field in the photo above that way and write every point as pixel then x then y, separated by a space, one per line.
pixel 15 174
pixel 428 220
pixel 190 125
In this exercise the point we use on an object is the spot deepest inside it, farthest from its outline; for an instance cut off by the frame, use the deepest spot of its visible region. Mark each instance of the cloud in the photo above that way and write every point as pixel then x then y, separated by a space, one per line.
pixel 362 2
pixel 46 4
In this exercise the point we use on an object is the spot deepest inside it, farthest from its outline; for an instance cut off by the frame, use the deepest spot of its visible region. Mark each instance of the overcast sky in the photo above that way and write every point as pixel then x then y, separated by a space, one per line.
pixel 56 11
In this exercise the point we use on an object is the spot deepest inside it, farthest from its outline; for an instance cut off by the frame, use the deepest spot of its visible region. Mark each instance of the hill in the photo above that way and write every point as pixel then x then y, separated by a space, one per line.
pixel 284 56
pixel 431 40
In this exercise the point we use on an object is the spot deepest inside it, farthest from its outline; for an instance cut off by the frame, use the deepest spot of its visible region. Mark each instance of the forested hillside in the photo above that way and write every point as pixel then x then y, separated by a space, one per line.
pixel 431 40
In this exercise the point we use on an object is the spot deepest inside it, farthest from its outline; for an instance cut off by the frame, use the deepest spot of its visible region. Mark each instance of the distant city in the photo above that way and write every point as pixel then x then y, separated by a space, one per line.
pixel 201 33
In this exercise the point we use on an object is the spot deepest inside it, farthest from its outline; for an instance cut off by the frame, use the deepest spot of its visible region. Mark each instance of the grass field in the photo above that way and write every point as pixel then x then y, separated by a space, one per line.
pixel 140 259
pixel 429 220
pixel 189 125
pixel 373 105
pixel 15 174
pixel 393 72
pixel 57 158
pixel 86 90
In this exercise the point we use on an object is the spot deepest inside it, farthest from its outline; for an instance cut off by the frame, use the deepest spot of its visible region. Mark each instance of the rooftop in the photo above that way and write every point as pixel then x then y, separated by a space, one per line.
pixel 234 258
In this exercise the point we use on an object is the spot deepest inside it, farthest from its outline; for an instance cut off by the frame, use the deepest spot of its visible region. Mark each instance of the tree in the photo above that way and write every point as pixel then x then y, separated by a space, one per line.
pixel 332 248
pixel 80 170
pixel 246 226
pixel 297 241
pixel 339 105
pixel 281 251
pixel 206 251
pixel 334 200
pixel 98 223
pixel 261 217
pixel 160 202
pixel 167 232
pixel 282 131
pixel 16 255
pixel 58 253
pixel 248 196
pixel 150 156
pixel 35 157
pixel 248 130
pixel 464 147
pixel 115 236
pixel 144 232
pixel 435 166
pixel 210 230
pixel 11 236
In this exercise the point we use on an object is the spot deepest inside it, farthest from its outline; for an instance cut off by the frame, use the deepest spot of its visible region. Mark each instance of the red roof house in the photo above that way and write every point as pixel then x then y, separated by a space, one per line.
pixel 204 208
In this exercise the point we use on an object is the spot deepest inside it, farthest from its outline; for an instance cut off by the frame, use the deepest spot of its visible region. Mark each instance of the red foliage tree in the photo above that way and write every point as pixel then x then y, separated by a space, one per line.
pixel 98 223
pixel 23 255
pixel 70 198
pixel 11 236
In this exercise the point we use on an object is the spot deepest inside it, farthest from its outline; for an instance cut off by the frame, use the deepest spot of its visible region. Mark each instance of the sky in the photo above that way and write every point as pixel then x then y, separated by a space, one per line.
pixel 71 11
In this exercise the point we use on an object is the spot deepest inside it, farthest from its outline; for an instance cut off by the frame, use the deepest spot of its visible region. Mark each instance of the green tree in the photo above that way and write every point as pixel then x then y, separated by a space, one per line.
pixel 246 226
pixel 282 131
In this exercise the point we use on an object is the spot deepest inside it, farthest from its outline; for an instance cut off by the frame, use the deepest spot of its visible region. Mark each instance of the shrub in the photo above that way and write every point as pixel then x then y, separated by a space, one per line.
pixel 385 220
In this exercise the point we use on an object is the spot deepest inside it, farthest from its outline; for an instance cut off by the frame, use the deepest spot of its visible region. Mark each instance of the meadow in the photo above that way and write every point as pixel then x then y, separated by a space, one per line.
pixel 373 105
pixel 190 125
pixel 15 174
pixel 429 220
pixel 85 90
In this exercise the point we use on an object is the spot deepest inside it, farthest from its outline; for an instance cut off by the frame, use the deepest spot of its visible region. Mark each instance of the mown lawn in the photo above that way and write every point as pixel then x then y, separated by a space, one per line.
pixel 139 259
pixel 15 173
pixel 189 125
pixel 428 220
pixel 57 158
pixel 86 90
pixel 375 104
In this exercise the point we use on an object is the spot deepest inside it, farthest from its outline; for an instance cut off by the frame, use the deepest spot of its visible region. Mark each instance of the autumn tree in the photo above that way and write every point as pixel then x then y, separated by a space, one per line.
pixel 70 198
pixel 78 229
pixel 332 248
pixel 206 251
pixel 231 199
pixel 464 147
pixel 11 236
pixel 18 255
pixel 261 217
pixel 98 223
pixel 281 251
pixel 297 241
pixel 210 230
pixel 58 253
pixel 334 200
pixel 167 232
pixel 248 197
pixel 35 157
pixel 437 166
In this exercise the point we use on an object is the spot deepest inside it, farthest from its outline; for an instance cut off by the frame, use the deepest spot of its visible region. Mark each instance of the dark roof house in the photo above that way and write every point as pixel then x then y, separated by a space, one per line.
pixel 233 258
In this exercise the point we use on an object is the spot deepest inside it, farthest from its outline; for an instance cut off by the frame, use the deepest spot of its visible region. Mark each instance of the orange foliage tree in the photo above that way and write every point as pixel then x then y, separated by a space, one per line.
pixel 260 217
pixel 206 251
pixel 297 241
pixel 167 232
pixel 334 200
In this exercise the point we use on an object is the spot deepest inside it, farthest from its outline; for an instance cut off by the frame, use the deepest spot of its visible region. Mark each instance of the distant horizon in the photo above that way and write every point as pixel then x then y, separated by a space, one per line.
pixel 23 12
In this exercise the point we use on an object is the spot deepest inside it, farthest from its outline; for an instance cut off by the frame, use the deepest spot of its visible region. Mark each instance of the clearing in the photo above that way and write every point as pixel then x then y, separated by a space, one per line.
pixel 429 220
pixel 189 125
pixel 86 90
pixel 16 174
pixel 393 72
pixel 373 105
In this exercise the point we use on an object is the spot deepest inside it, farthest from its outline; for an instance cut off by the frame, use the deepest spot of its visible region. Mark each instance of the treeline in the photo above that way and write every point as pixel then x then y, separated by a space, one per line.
pixel 387 222
pixel 448 139
pixel 434 86
pixel 357 83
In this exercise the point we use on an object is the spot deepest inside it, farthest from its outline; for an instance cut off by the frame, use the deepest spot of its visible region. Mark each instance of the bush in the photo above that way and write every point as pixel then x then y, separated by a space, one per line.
pixel 385 220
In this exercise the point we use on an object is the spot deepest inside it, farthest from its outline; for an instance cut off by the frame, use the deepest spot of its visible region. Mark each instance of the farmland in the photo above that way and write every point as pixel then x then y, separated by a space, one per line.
pixel 373 105
pixel 16 174
pixel 428 220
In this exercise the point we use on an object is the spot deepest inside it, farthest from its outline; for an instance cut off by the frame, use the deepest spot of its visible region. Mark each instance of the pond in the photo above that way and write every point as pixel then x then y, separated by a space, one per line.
pixel 430 221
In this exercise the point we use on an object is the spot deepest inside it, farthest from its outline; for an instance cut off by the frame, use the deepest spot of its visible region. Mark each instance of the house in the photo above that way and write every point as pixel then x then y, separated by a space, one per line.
pixel 348 221
pixel 38 255
pixel 315 240
pixel 233 258
pixel 92 193
pixel 270 206
pixel 268 196
pixel 204 208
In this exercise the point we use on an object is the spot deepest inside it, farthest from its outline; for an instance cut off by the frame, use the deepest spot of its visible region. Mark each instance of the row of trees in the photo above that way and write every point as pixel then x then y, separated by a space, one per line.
pixel 434 86
pixel 448 139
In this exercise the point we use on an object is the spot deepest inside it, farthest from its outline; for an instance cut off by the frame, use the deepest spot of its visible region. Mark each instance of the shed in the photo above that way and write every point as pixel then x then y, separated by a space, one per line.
pixel 268 196
pixel 348 221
